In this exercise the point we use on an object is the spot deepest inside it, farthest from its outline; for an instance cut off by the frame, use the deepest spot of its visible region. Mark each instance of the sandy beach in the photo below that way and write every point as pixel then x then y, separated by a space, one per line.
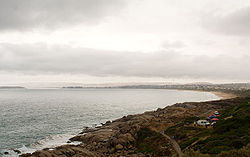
pixel 223 95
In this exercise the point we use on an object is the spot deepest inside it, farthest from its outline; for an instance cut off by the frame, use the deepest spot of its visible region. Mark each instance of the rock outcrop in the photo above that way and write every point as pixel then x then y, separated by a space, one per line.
pixel 119 138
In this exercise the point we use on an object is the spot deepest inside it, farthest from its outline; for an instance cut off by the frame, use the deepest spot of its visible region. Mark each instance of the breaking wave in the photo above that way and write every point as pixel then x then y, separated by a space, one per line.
pixel 49 142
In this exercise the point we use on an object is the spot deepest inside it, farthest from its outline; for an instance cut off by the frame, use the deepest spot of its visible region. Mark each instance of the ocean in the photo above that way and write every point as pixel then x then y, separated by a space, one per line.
pixel 32 119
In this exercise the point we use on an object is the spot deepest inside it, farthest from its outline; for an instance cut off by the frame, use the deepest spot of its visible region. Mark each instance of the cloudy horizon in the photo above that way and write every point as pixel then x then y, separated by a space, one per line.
pixel 118 41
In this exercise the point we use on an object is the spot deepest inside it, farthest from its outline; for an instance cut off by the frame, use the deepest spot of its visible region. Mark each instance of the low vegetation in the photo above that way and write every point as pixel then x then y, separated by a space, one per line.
pixel 243 152
pixel 153 143
pixel 230 135
pixel 185 133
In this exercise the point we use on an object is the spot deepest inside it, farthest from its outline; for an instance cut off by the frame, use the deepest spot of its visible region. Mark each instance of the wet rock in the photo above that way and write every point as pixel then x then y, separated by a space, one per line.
pixel 88 130
pixel 108 122
pixel 46 149
pixel 6 153
pixel 75 138
pixel 26 155
pixel 16 151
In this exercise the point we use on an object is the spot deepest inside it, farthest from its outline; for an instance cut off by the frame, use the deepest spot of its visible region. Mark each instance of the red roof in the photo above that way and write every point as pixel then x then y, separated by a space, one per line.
pixel 215 119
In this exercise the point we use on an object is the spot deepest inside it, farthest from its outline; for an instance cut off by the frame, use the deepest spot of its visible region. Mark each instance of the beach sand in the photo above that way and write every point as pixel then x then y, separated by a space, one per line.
pixel 224 96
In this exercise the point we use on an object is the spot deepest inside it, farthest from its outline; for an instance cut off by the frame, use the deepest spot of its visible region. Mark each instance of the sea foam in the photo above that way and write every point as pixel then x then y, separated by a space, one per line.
pixel 49 142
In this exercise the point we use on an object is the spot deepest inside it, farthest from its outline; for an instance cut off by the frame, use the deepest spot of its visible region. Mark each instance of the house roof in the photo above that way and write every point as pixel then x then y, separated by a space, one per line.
pixel 215 119
pixel 212 116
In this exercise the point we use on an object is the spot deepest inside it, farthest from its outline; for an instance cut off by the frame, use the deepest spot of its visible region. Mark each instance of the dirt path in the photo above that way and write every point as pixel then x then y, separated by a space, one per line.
pixel 201 139
pixel 176 146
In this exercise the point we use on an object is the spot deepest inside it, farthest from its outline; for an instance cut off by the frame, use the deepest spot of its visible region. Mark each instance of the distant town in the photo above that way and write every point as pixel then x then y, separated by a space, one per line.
pixel 228 88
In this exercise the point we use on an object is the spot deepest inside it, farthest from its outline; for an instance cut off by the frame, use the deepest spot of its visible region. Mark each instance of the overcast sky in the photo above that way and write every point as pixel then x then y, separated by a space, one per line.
pixel 104 41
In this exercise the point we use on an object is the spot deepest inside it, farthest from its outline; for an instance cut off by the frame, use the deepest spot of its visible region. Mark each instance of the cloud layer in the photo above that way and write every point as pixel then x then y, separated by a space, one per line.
pixel 27 14
pixel 235 23
pixel 121 39
pixel 41 58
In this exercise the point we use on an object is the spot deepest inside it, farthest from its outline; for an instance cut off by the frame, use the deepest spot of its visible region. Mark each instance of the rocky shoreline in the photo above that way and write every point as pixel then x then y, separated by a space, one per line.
pixel 124 136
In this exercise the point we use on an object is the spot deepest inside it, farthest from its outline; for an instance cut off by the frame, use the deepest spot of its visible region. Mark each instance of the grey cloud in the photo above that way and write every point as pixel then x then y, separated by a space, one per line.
pixel 26 14
pixel 235 23
pixel 41 58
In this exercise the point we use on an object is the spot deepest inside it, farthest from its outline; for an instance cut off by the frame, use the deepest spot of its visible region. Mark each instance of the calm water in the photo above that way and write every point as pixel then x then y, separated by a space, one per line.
pixel 36 118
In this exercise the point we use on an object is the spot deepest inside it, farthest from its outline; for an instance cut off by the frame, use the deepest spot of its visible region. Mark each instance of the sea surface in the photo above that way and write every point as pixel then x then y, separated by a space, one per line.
pixel 32 119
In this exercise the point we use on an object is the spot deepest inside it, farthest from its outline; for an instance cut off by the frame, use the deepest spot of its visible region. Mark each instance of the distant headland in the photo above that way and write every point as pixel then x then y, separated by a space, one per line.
pixel 12 87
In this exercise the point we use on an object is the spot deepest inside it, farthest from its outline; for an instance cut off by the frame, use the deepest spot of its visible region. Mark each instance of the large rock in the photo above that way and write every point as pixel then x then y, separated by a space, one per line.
pixel 118 147
pixel 117 138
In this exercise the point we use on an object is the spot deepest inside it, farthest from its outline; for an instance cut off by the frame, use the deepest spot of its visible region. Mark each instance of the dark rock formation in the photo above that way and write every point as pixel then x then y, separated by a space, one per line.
pixel 119 138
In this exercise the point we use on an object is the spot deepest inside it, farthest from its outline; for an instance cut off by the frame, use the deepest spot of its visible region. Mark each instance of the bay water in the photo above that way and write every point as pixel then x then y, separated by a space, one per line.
pixel 32 119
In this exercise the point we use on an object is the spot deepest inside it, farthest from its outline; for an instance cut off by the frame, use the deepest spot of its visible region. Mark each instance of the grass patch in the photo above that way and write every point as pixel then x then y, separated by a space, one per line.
pixel 186 134
pixel 153 143
pixel 188 142
pixel 230 134
pixel 233 133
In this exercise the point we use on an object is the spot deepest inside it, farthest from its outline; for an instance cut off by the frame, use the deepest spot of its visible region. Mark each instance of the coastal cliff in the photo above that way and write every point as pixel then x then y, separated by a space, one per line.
pixel 138 135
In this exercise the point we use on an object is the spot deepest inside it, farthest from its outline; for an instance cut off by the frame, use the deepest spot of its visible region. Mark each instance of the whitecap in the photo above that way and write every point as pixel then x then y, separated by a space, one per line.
pixel 49 142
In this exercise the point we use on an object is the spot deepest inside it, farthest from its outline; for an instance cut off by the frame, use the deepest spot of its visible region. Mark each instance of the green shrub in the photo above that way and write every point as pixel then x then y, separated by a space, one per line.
pixel 190 120
pixel 233 133
pixel 229 134
pixel 152 142
pixel 243 152
pixel 188 142
pixel 191 153
pixel 218 149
